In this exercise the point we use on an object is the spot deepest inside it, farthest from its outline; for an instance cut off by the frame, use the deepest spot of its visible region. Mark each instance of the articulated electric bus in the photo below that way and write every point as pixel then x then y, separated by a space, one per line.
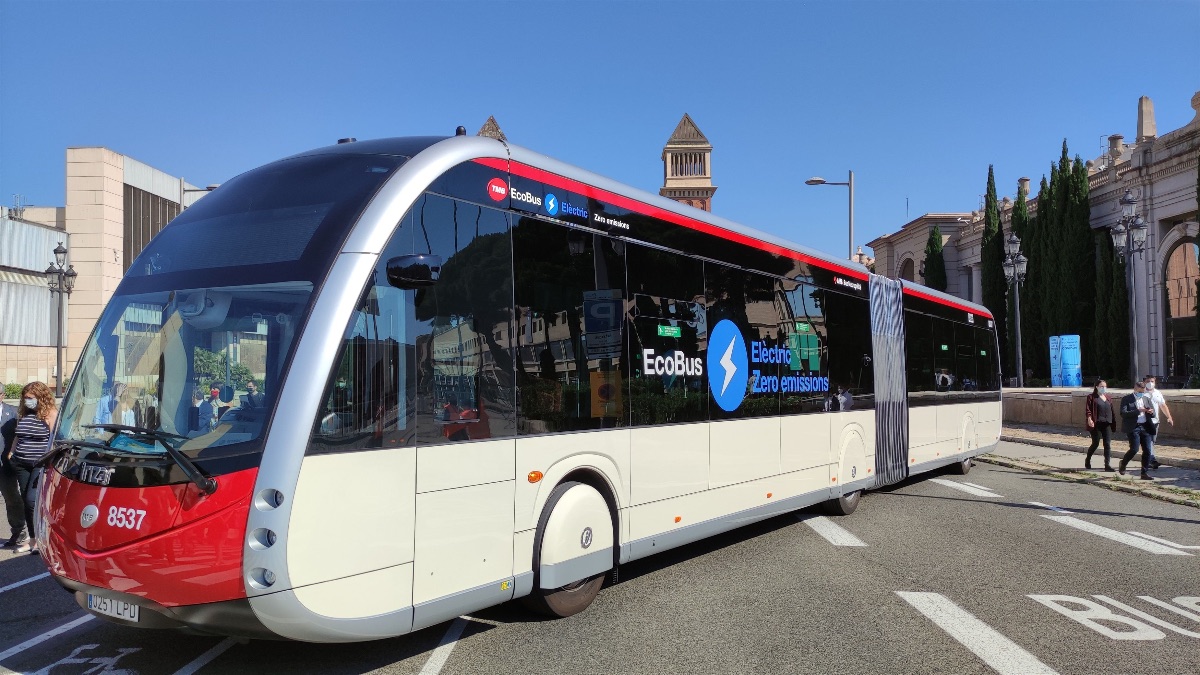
pixel 382 384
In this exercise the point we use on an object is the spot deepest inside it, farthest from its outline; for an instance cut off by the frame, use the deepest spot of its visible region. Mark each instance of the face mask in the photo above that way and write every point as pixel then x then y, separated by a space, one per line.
pixel 1149 386
pixel 1103 389
pixel 31 403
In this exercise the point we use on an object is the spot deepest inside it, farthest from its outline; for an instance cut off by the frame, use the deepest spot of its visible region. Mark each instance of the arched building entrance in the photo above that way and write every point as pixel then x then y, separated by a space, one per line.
pixel 1181 289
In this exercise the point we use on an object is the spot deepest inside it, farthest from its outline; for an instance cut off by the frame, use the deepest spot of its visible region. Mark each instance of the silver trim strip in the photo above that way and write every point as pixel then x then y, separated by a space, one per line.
pixel 523 583
pixel 647 546
pixel 284 614
pixel 557 575
pixel 433 612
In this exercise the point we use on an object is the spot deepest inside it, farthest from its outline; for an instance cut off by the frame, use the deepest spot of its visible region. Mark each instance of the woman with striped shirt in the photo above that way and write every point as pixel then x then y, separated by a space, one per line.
pixel 35 421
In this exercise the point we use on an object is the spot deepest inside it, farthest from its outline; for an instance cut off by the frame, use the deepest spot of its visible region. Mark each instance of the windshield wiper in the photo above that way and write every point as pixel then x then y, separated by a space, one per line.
pixel 206 484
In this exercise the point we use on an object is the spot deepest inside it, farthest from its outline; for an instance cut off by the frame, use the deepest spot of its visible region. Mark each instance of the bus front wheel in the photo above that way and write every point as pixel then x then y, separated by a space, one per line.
pixel 844 505
pixel 573 550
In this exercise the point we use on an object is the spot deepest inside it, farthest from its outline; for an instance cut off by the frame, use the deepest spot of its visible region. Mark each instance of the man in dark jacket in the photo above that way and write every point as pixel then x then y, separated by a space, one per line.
pixel 1137 416
pixel 13 506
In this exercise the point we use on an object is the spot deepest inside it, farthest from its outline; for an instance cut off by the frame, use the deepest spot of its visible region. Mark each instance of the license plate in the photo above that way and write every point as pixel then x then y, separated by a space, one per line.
pixel 112 607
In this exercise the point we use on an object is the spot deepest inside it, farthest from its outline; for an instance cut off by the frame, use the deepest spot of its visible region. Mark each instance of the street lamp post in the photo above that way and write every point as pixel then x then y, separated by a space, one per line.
pixel 1015 265
pixel 817 180
pixel 61 281
pixel 1129 237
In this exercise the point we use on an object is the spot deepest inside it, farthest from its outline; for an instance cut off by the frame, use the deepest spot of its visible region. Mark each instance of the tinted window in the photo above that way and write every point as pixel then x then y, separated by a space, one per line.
pixel 570 296
pixel 988 363
pixel 849 322
pixel 918 336
pixel 806 375
pixel 747 300
pixel 292 210
pixel 667 327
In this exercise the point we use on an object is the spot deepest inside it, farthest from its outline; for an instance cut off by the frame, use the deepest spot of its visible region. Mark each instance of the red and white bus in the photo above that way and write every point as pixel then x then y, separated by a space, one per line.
pixel 384 383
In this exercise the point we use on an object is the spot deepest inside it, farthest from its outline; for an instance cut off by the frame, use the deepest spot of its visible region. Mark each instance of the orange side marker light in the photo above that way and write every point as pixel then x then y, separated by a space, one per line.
pixel 678 518
pixel 768 495
pixel 534 476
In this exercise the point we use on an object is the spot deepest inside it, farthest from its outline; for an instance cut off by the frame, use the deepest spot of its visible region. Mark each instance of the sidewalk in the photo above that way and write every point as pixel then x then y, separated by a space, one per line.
pixel 1060 451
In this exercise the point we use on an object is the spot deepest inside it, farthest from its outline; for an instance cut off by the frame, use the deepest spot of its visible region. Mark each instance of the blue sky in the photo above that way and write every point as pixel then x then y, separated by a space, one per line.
pixel 918 98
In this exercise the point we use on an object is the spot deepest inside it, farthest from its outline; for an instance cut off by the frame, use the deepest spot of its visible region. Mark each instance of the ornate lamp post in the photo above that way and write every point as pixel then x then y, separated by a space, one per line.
pixel 817 180
pixel 1015 265
pixel 62 281
pixel 1129 237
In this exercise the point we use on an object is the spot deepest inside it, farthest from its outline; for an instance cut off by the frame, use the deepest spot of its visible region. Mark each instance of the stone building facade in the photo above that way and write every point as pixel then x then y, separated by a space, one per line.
pixel 1161 173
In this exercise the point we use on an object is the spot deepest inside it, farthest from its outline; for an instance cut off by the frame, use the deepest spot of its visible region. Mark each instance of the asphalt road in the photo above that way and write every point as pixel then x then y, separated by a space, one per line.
pixel 955 574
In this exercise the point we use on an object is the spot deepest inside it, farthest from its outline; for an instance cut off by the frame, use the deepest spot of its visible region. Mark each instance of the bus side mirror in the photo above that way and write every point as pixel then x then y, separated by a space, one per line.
pixel 414 271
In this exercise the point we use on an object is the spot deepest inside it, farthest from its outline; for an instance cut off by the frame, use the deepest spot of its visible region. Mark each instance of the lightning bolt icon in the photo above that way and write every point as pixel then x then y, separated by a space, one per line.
pixel 727 363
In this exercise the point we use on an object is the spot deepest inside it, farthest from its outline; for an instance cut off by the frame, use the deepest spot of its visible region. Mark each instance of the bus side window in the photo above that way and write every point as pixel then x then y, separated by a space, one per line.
pixel 850 347
pixel 803 331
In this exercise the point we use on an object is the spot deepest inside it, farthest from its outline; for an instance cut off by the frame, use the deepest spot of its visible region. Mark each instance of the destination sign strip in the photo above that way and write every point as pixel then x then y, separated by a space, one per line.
pixel 642 208
pixel 621 201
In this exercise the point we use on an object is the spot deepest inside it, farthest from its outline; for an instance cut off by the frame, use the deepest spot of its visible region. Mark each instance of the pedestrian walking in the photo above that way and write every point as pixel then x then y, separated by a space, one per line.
pixel 38 415
pixel 1100 423
pixel 1160 403
pixel 1137 413
pixel 9 487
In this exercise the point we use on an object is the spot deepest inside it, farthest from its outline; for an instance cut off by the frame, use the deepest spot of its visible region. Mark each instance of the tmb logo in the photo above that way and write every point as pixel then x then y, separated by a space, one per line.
pixel 497 189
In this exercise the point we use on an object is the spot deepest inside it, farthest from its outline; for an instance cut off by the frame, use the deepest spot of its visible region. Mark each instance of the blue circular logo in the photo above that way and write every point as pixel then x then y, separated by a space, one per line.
pixel 551 204
pixel 728 365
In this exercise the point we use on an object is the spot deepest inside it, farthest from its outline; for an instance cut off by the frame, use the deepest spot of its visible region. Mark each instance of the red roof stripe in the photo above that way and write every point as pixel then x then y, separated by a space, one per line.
pixel 942 301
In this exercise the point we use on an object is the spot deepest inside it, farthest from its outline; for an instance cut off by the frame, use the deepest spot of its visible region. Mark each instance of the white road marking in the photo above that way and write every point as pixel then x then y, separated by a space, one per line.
pixel 1114 535
pixel 965 487
pixel 1052 508
pixel 1166 605
pixel 24 581
pixel 1164 542
pixel 981 487
pixel 832 532
pixel 37 640
pixel 1001 654
pixel 1146 617
pixel 207 657
pixel 438 659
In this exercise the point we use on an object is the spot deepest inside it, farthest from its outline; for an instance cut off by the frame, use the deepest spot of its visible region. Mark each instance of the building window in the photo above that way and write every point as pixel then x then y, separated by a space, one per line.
pixel 145 216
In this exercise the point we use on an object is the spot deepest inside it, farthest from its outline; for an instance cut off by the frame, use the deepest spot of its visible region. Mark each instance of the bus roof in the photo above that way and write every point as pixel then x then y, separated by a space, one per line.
pixel 533 165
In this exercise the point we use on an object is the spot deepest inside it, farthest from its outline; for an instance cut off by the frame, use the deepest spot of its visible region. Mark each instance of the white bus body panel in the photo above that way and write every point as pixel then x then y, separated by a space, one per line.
pixel 353 514
pixel 578 539
pixel 804 441
pixel 379 592
pixel 605 453
pixel 668 461
pixel 464 539
pixel 743 450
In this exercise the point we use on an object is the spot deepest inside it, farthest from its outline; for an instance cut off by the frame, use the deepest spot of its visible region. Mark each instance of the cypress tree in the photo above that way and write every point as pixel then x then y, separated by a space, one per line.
pixel 1041 265
pixel 1080 291
pixel 1118 319
pixel 935 262
pixel 993 284
pixel 1020 226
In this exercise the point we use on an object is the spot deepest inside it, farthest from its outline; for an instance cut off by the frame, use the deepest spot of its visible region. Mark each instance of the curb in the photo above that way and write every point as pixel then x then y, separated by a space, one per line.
pixel 1178 462
pixel 1116 485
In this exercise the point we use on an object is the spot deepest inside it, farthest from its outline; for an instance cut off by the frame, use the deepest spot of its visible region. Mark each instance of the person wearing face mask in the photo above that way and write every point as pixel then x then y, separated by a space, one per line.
pixel 1160 403
pixel 1137 413
pixel 30 442
pixel 1100 423
pixel 9 487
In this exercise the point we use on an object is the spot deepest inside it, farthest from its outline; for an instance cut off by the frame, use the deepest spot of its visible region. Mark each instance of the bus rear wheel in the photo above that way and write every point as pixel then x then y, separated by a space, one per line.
pixel 844 505
pixel 565 601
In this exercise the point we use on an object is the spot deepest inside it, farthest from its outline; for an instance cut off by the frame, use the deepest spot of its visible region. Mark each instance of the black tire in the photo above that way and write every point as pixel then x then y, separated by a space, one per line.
pixel 844 505
pixel 566 600
pixel 962 468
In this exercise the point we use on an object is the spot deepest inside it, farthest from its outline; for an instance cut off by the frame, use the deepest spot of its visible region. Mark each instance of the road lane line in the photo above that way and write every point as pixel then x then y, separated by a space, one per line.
pixel 832 532
pixel 1052 508
pixel 964 487
pixel 1001 654
pixel 1114 535
pixel 438 659
pixel 207 657
pixel 1164 542
pixel 24 581
pixel 53 632
pixel 977 486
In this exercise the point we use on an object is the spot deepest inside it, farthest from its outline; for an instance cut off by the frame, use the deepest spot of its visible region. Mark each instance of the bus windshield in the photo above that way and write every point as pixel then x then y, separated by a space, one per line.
pixel 201 365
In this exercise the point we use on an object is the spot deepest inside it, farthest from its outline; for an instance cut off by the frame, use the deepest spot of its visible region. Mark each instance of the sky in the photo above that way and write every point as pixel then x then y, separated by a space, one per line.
pixel 917 98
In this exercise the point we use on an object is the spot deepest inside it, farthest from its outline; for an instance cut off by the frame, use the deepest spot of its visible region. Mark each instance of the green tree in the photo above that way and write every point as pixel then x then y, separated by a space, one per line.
pixel 993 284
pixel 1102 345
pixel 1020 226
pixel 935 262
pixel 210 370
pixel 1118 318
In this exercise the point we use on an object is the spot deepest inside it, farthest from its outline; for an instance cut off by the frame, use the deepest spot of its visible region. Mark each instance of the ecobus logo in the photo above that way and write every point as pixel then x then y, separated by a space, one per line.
pixel 674 363
pixel 524 196
pixel 728 365
pixel 497 189
pixel 551 204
